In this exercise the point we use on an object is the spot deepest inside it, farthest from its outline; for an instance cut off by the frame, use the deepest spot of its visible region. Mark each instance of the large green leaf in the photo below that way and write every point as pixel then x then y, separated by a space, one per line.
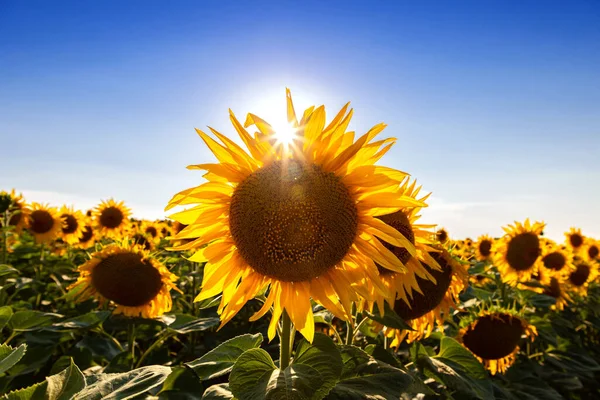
pixel 127 385
pixel 314 371
pixel 85 321
pixel 66 384
pixel 9 356
pixel 6 313
pixel 185 323
pixel 220 360
pixel 30 320
pixel 35 392
pixel 182 383
pixel 7 270
pixel 365 378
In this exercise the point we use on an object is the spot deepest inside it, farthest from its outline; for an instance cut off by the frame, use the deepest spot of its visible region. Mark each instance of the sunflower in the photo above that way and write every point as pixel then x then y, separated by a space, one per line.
pixel 72 228
pixel 44 223
pixel 18 211
pixel 442 235
pixel 434 302
pixel 556 262
pixel 152 230
pixel 483 248
pixel 112 219
pixel 144 241
pixel 516 254
pixel 298 217
pixel 126 276
pixel 592 249
pixel 580 278
pixel 493 336
pixel 88 234
pixel 575 240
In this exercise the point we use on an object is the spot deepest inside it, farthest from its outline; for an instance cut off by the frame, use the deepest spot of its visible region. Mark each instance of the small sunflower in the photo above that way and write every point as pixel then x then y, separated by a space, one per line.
pixel 142 240
pixel 126 276
pixel 592 249
pixel 556 262
pixel 516 254
pixel 494 336
pixel 580 278
pixel 558 290
pixel 483 247
pixel 434 302
pixel 152 230
pixel 18 210
pixel 44 223
pixel 112 219
pixel 297 216
pixel 442 235
pixel 88 234
pixel 575 239
pixel 72 228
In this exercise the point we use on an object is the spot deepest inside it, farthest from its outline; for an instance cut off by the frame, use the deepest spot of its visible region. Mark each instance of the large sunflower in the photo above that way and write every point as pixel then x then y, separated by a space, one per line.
pixel 44 223
pixel 493 336
pixel 18 211
pixel 517 253
pixel 434 301
pixel 297 216
pixel 72 228
pixel 126 276
pixel 112 218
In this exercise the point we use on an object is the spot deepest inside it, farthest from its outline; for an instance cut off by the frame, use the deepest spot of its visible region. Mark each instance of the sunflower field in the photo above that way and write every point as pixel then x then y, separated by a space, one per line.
pixel 298 269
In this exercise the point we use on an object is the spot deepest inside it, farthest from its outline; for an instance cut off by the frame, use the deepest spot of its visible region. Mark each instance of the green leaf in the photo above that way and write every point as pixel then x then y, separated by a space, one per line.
pixel 313 373
pixel 185 323
pixel 218 392
pixel 66 384
pixel 365 378
pixel 7 270
pixel 35 392
pixel 85 321
pixel 99 346
pixel 454 352
pixel 182 383
pixel 220 360
pixel 9 356
pixel 29 320
pixel 389 319
pixel 6 313
pixel 127 385
pixel 35 358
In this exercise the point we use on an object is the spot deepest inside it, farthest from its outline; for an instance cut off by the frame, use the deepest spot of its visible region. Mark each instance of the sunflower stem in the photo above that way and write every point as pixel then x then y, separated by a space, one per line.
pixel 131 341
pixel 285 341
pixel 4 237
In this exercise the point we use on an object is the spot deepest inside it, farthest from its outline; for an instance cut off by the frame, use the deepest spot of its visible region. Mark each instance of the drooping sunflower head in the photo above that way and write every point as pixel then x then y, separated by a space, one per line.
pixel 592 249
pixel 127 277
pixel 17 209
pixel 483 247
pixel 574 239
pixel 433 302
pixel 557 289
pixel 517 253
pixel 112 218
pixel 442 235
pixel 88 234
pixel 44 223
pixel 298 217
pixel 493 337
pixel 72 228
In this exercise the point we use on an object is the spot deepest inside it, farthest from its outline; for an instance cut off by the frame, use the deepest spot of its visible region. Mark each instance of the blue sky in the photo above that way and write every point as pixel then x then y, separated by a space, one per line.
pixel 494 103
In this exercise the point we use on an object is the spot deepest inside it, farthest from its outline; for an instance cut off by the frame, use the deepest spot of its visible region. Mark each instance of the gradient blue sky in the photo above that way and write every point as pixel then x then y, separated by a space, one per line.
pixel 495 104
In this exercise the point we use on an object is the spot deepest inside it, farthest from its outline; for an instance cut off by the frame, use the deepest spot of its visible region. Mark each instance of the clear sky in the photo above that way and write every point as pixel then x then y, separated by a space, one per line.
pixel 495 104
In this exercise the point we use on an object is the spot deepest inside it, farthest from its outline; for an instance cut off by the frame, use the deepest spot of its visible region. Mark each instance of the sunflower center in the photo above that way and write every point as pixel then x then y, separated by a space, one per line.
pixel 126 279
pixel 433 293
pixel 292 221
pixel 111 217
pixel 576 240
pixel 41 221
pixel 555 261
pixel 523 251
pixel 580 275
pixel 485 248
pixel 71 224
pixel 442 236
pixel 401 223
pixel 593 251
pixel 87 234
pixel 494 336
pixel 152 231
